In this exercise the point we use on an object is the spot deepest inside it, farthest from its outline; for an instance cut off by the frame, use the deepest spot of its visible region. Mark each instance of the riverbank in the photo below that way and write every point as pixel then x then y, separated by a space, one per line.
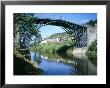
pixel 57 48
pixel 47 48
pixel 23 66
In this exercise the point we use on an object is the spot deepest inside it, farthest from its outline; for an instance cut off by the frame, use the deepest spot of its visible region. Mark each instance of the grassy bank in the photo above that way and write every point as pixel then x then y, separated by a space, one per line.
pixel 53 47
pixel 67 49
pixel 47 48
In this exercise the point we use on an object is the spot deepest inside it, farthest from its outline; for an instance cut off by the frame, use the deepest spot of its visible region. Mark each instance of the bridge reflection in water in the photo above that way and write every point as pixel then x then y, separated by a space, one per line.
pixel 54 64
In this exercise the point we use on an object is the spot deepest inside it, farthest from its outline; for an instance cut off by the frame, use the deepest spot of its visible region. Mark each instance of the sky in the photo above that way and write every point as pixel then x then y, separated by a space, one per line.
pixel 78 18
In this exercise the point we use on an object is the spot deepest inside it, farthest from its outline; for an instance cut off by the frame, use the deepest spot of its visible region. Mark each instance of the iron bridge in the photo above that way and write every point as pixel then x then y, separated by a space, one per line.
pixel 77 32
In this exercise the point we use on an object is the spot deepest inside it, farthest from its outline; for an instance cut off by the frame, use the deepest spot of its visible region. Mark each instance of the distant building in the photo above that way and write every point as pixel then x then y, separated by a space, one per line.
pixel 50 40
pixel 44 41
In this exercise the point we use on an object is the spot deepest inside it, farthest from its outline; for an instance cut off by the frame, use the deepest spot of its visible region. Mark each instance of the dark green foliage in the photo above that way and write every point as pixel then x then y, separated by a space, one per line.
pixel 93 47
pixel 21 67
pixel 93 58
pixel 92 22
pixel 25 27
pixel 24 24
pixel 92 52
pixel 63 49
pixel 25 21
pixel 51 48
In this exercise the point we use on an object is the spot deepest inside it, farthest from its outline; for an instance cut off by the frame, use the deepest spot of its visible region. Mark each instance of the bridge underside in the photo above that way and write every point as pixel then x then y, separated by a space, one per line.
pixel 79 33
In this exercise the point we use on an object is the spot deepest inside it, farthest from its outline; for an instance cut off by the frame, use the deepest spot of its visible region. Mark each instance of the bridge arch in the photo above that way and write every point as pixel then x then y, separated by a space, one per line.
pixel 78 32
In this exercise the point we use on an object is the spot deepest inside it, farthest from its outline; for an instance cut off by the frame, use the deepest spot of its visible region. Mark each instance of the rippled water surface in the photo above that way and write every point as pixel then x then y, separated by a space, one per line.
pixel 54 64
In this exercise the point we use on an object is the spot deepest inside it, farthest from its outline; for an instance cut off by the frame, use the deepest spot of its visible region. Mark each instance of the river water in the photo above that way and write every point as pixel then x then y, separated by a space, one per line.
pixel 54 64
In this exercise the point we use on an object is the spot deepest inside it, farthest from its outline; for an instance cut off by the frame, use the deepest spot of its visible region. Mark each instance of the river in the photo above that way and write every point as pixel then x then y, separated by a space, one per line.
pixel 54 64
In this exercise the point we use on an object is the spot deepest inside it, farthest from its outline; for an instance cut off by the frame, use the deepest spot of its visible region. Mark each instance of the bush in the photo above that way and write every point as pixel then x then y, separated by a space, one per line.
pixel 92 52
pixel 93 47
pixel 49 47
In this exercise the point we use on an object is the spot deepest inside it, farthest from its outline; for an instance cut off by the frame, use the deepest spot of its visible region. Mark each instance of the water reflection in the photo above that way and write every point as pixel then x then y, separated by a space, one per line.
pixel 54 64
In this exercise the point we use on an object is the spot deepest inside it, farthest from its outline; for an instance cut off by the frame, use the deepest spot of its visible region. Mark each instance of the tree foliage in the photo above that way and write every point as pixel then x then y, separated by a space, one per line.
pixel 93 46
pixel 24 24
pixel 92 22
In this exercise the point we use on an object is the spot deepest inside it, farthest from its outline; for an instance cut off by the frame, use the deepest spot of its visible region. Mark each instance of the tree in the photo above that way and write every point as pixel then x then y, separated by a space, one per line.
pixel 92 22
pixel 93 46
pixel 25 29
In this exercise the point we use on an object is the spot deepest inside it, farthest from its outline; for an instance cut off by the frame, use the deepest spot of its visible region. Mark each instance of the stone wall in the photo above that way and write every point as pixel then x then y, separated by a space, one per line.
pixel 91 34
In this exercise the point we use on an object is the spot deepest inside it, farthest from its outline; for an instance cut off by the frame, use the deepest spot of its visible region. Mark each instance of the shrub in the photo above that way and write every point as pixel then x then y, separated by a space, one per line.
pixel 93 47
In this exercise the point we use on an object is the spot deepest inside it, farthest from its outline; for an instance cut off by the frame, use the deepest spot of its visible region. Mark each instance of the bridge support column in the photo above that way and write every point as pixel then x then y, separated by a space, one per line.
pixel 81 41
pixel 80 50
